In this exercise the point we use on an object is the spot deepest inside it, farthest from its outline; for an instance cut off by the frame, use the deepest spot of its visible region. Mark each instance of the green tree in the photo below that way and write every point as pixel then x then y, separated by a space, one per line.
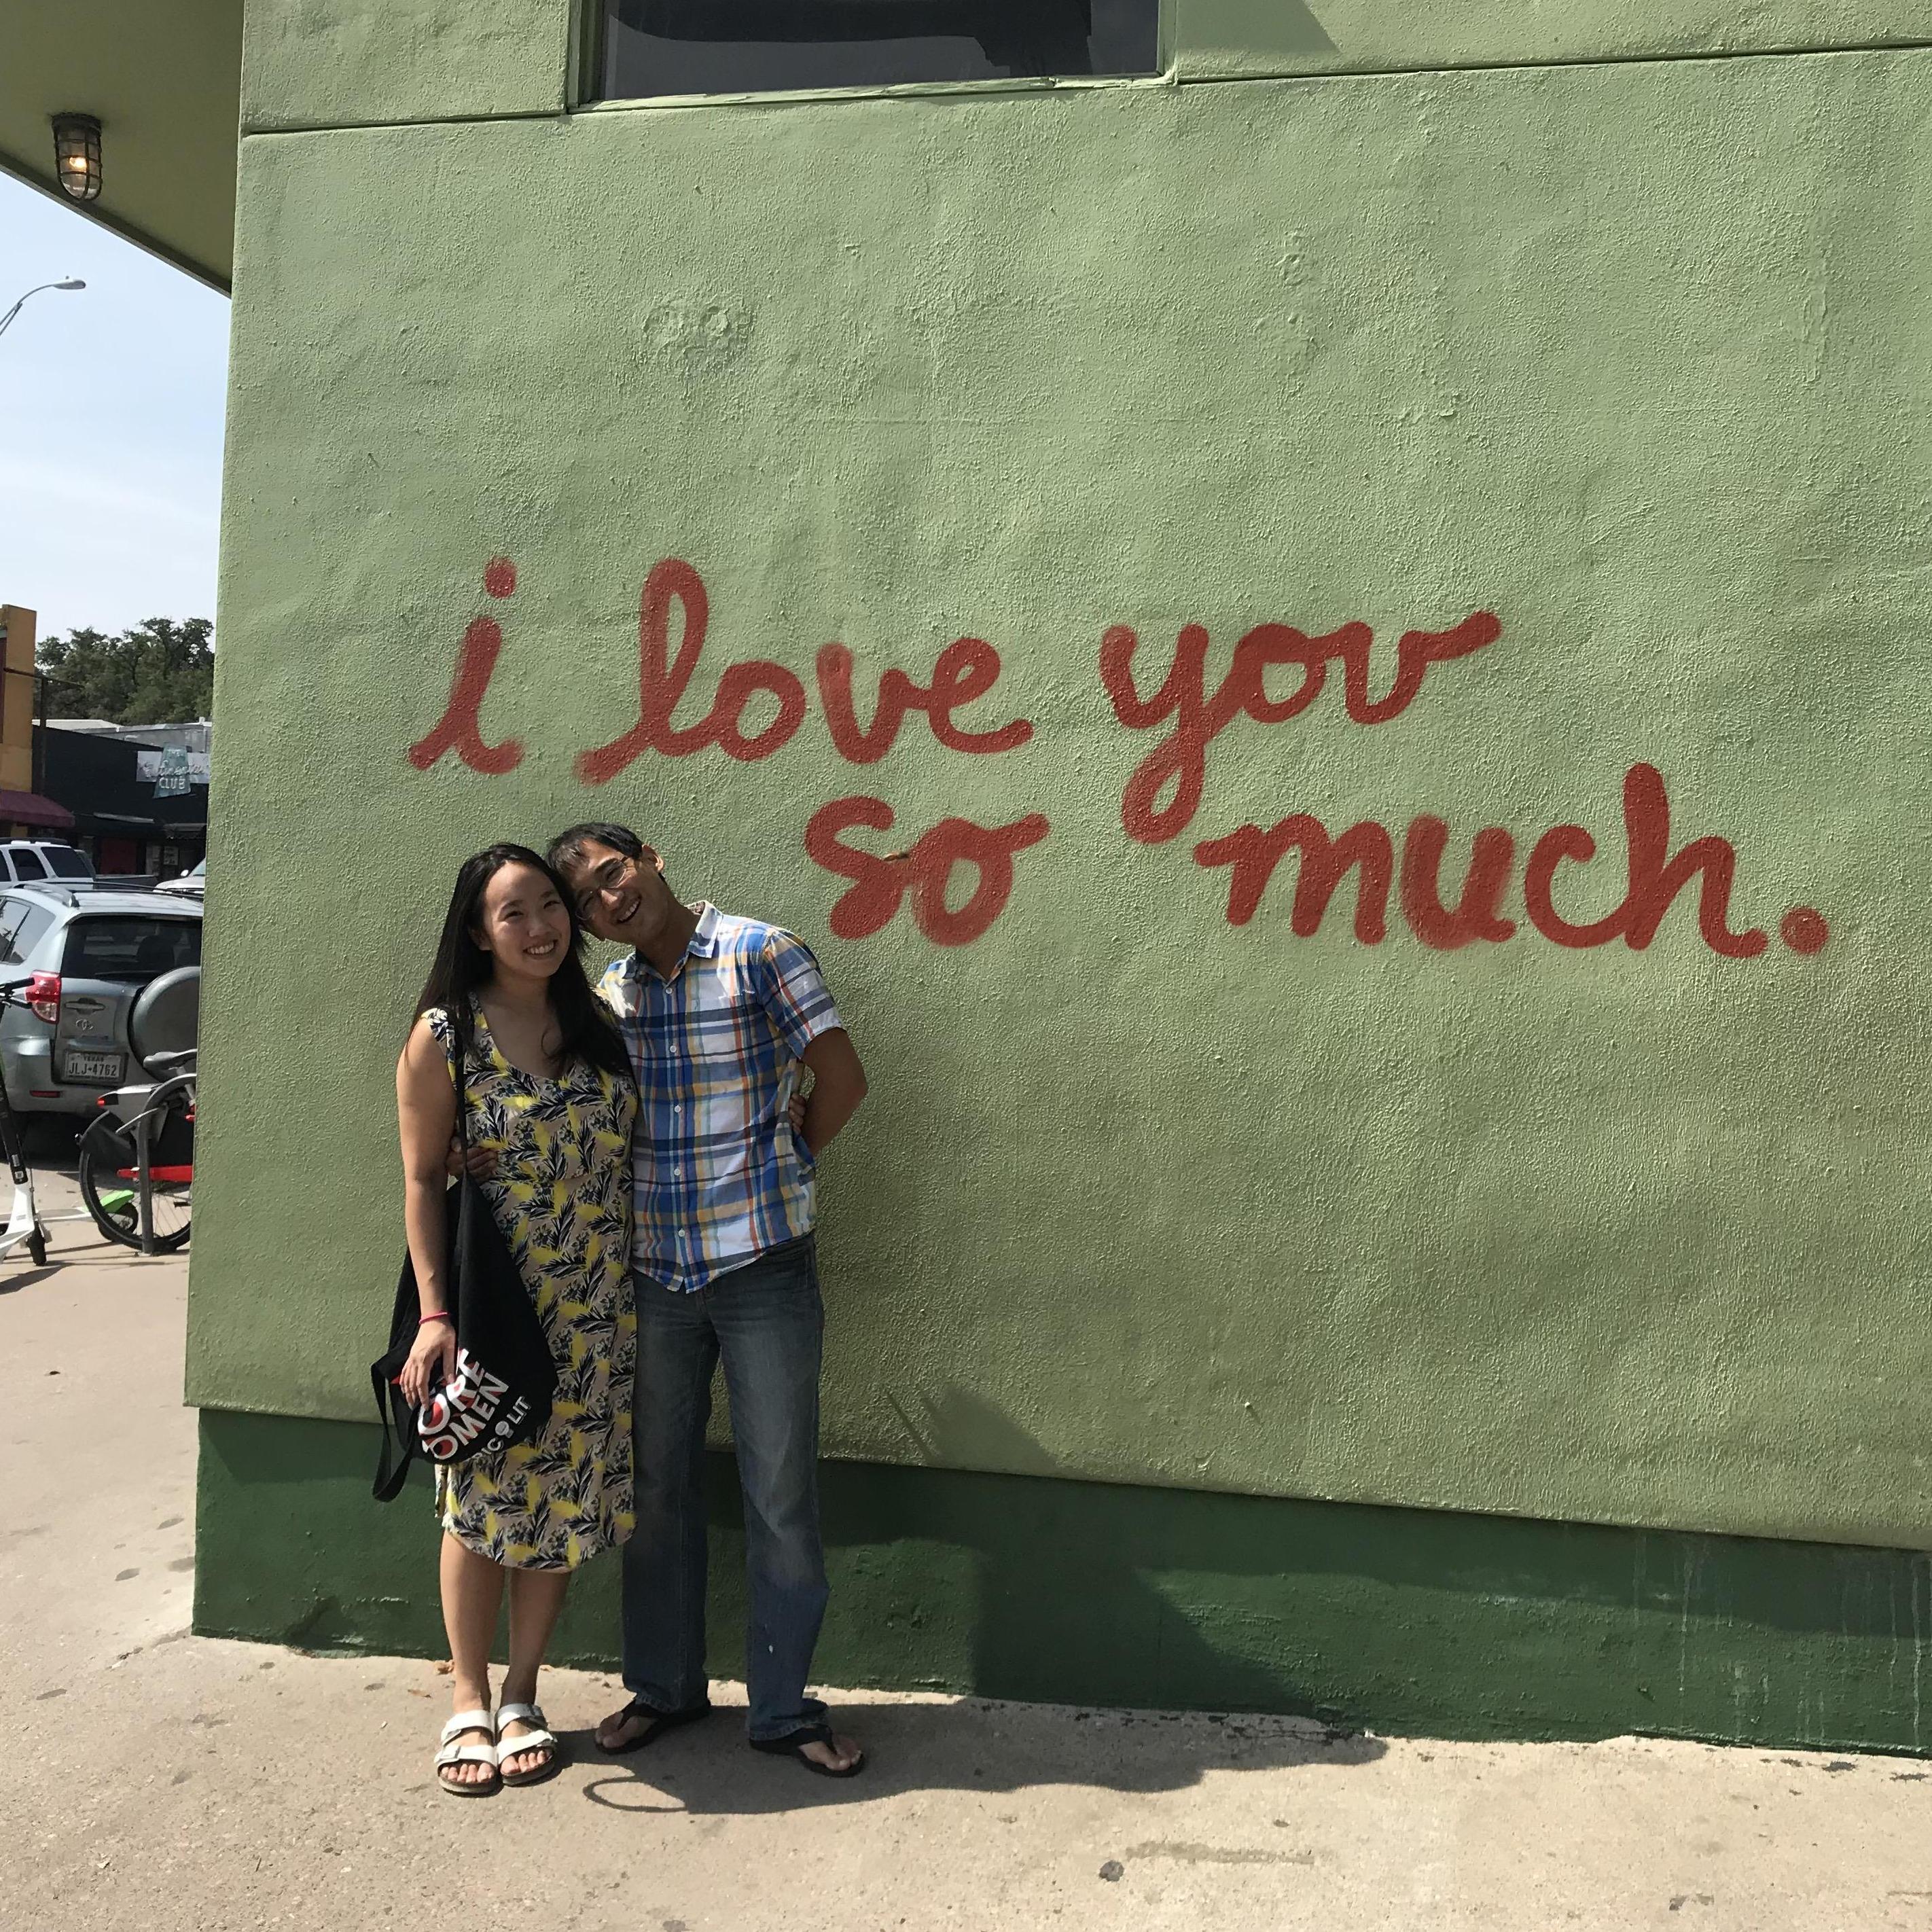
pixel 162 672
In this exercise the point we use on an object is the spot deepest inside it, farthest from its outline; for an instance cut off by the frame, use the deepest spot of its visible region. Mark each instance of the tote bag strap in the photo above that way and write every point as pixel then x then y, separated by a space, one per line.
pixel 399 1445
pixel 459 1075
pixel 389 1481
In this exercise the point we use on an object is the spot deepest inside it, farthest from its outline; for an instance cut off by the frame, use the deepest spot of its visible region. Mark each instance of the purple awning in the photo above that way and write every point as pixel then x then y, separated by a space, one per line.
pixel 29 808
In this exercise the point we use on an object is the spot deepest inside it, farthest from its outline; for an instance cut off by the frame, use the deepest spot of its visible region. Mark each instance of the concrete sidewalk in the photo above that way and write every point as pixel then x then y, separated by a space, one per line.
pixel 154 1780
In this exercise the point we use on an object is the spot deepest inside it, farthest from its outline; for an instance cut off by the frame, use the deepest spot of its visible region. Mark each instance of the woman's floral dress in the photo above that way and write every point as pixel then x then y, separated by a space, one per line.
pixel 562 1195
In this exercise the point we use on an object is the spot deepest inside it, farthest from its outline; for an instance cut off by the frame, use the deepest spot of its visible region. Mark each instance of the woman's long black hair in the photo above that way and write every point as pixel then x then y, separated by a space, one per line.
pixel 462 969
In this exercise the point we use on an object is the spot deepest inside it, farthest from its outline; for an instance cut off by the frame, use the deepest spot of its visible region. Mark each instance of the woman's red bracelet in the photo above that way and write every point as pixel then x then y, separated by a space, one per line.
pixel 434 1315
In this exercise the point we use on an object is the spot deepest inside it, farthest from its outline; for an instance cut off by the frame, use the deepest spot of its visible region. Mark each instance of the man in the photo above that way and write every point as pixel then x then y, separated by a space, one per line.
pixel 720 1014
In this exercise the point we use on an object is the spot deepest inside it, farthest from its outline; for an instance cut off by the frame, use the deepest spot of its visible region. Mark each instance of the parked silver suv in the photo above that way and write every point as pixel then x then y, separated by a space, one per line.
pixel 85 954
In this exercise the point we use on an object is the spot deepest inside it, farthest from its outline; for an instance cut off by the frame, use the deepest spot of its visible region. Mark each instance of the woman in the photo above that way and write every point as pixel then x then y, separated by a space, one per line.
pixel 549 1093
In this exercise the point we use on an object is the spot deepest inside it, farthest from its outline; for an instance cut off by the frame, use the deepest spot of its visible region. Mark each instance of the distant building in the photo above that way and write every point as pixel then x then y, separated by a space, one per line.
pixel 24 812
pixel 133 806
pixel 197 735
pixel 133 797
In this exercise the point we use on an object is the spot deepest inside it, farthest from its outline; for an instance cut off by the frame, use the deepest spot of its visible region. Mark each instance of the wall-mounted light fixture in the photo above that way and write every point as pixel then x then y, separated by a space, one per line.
pixel 77 156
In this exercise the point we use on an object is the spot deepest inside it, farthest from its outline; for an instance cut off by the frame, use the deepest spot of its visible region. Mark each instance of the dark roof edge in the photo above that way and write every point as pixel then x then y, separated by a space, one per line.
pixel 10 164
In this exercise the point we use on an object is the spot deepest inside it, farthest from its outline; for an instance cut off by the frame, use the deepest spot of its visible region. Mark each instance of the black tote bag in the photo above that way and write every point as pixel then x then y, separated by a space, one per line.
pixel 505 1379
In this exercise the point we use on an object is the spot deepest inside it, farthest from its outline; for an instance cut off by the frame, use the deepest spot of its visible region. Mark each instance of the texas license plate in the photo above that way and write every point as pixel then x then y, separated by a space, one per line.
pixel 104 1067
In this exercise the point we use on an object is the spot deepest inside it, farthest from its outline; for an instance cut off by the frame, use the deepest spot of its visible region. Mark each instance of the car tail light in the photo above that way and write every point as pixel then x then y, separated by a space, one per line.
pixel 44 997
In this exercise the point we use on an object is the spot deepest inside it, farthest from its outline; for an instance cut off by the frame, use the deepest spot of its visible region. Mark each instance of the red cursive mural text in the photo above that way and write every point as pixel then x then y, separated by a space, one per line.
pixel 879 883
pixel 1181 758
pixel 760 706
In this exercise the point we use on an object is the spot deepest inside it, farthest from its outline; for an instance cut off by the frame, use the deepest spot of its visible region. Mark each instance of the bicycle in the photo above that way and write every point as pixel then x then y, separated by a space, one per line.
pixel 136 1159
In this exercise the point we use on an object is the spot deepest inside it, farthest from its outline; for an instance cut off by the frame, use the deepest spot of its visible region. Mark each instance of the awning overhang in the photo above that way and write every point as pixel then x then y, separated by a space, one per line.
pixel 165 83
pixel 29 808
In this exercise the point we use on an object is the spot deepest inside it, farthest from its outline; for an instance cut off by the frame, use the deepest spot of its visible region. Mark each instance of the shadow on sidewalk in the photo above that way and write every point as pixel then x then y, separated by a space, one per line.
pixel 1029 1606
pixel 707 1769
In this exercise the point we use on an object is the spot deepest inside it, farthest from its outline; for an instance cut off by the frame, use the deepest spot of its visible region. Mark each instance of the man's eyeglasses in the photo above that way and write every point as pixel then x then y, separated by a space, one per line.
pixel 607 878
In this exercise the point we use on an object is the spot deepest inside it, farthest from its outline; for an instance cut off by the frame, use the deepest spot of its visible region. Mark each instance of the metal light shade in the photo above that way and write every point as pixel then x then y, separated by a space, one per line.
pixel 77 156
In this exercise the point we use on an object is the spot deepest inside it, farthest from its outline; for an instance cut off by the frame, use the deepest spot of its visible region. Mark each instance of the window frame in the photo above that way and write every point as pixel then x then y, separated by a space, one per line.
pixel 585 68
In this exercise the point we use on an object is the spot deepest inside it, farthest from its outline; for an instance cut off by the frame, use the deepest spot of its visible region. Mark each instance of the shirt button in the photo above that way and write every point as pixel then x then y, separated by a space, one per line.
pixel 677 1110
pixel 678 1172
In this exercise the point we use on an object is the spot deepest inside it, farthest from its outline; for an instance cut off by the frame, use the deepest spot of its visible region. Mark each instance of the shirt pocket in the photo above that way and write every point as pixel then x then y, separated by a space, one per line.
pixel 731 1029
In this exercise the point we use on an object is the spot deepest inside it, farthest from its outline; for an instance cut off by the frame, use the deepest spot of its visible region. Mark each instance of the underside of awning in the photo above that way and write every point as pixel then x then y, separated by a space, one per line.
pixel 29 808
pixel 164 81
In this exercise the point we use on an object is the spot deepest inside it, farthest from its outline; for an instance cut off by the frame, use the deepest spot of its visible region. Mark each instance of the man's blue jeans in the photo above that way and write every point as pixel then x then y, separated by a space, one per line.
pixel 765 1320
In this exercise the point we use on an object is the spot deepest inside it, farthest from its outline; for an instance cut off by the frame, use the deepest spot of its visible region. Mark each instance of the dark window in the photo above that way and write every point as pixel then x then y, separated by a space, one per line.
pixel 23 927
pixel 65 862
pixel 134 949
pixel 761 46
pixel 27 863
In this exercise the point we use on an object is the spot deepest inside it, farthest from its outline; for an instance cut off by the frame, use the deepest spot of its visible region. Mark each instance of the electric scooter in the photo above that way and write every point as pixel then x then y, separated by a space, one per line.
pixel 26 1226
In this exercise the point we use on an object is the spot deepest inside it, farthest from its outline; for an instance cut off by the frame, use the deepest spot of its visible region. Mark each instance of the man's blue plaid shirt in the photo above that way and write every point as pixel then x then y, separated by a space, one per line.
pixel 720 1175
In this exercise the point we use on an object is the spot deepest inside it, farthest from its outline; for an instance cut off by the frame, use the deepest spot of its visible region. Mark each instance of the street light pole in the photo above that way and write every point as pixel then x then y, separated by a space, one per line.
pixel 66 282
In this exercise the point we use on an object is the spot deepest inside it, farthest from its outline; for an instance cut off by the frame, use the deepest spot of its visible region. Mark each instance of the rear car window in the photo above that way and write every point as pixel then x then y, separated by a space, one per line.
pixel 65 862
pixel 135 948
pixel 26 862
pixel 23 927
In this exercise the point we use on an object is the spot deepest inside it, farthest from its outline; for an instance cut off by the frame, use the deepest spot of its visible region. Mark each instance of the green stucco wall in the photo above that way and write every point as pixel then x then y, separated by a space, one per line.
pixel 1223 39
pixel 1411 1621
pixel 1621 367
pixel 357 63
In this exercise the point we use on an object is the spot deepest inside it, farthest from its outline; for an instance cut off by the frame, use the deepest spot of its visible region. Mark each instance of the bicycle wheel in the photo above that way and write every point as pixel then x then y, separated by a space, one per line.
pixel 109 1186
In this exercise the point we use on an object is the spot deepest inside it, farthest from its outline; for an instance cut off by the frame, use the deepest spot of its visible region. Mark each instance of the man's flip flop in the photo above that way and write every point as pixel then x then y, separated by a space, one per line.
pixel 538 1738
pixel 453 1752
pixel 660 1722
pixel 793 1743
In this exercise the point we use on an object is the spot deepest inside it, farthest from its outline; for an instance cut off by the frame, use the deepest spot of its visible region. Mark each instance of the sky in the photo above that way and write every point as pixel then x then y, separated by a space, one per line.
pixel 110 425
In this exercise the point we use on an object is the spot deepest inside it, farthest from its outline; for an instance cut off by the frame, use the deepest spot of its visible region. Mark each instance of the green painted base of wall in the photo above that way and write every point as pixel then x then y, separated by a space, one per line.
pixel 1397 1620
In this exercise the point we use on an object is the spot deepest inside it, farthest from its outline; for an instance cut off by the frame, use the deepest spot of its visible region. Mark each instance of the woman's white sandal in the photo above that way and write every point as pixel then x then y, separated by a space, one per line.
pixel 454 1753
pixel 536 1739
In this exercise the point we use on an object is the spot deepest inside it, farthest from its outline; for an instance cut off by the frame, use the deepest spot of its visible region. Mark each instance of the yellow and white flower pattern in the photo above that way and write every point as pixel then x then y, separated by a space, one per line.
pixel 562 1196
